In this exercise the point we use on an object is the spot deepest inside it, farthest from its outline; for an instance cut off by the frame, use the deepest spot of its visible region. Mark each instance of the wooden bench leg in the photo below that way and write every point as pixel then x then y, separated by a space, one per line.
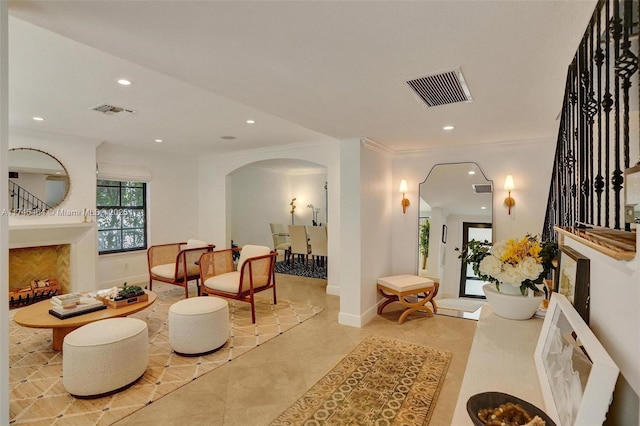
pixel 420 305
pixel 390 298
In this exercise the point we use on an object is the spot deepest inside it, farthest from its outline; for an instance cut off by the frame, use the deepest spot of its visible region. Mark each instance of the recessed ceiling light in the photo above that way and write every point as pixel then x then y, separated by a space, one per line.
pixel 448 128
pixel 251 121
pixel 229 138
pixel 124 82
pixel 483 208
pixel 38 119
pixel 471 172
pixel 159 140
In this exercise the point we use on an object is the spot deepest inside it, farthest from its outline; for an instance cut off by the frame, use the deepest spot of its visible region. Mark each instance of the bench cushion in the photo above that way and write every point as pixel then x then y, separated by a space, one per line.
pixel 402 283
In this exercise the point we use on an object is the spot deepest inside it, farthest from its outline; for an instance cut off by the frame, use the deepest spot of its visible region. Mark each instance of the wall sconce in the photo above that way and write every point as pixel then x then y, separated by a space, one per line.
pixel 405 201
pixel 509 186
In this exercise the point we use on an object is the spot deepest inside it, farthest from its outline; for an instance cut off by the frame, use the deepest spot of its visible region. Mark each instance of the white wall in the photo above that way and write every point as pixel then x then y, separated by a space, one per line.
pixel 4 222
pixel 260 196
pixel 308 189
pixel 173 209
pixel 257 197
pixel 377 207
pixel 529 162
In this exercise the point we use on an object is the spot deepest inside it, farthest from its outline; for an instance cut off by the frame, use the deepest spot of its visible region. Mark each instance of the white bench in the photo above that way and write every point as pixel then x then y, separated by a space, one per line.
pixel 397 288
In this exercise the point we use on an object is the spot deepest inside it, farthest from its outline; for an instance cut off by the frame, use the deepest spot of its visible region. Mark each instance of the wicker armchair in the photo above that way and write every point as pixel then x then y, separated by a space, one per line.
pixel 255 273
pixel 176 263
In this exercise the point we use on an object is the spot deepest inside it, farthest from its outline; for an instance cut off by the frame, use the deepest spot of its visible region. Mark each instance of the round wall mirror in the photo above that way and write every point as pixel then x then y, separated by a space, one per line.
pixel 37 181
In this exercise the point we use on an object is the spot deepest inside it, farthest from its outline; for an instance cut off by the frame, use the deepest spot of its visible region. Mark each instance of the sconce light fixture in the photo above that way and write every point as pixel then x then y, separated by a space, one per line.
pixel 509 186
pixel 405 201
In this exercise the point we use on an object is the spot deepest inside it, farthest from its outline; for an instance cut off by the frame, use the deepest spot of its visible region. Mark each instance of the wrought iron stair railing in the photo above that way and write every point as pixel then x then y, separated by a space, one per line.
pixel 599 135
pixel 24 201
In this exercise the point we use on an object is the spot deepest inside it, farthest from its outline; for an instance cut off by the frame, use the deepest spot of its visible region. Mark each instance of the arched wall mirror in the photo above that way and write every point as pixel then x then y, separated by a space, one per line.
pixel 456 202
pixel 37 181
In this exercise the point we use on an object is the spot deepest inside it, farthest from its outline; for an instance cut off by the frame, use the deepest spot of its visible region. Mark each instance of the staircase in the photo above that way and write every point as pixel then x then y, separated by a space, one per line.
pixel 23 201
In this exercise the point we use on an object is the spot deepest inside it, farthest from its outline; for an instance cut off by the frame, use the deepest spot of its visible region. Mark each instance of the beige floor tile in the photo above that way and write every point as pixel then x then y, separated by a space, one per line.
pixel 255 388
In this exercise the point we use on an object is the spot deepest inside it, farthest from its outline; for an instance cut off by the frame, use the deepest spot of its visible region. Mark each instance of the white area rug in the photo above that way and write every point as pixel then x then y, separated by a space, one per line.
pixel 465 305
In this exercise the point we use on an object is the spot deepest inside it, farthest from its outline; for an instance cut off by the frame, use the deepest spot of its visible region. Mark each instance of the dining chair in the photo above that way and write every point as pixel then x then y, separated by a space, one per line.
pixel 318 242
pixel 299 243
pixel 280 239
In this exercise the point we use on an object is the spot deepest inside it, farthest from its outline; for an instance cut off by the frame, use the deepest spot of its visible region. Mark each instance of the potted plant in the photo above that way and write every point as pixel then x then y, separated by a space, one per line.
pixel 424 243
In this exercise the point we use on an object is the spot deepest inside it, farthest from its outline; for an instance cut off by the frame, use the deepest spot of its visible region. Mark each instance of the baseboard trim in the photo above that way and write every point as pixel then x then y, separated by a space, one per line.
pixel 333 290
pixel 135 279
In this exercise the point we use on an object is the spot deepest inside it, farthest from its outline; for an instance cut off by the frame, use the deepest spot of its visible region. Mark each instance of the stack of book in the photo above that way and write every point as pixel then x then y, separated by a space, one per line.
pixel 73 304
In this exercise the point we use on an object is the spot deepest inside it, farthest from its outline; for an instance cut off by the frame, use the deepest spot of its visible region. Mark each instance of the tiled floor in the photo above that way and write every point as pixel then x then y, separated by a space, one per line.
pixel 256 387
pixel 35 377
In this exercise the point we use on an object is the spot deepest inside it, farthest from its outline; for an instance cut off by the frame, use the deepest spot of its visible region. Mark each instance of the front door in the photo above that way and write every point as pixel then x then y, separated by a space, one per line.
pixel 470 284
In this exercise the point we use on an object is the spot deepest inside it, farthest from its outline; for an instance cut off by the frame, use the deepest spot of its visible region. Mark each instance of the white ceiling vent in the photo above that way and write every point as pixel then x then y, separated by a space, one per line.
pixel 482 188
pixel 444 87
pixel 112 110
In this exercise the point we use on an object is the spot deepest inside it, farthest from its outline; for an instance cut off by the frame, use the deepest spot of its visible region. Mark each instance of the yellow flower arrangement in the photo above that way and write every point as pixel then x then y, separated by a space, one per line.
pixel 523 262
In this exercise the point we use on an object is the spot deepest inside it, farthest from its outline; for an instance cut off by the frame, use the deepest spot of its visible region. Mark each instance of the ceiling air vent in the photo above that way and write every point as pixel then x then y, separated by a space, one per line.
pixel 482 188
pixel 446 87
pixel 112 110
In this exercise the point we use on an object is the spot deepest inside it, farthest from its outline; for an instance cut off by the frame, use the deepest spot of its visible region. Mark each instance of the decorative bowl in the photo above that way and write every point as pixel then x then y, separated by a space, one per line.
pixel 484 400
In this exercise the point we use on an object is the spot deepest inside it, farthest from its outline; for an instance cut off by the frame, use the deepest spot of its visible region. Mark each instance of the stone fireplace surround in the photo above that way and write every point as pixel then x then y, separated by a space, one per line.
pixel 82 239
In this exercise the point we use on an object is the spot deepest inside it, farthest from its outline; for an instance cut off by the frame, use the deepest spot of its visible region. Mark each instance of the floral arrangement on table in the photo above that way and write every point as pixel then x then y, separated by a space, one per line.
pixel 523 262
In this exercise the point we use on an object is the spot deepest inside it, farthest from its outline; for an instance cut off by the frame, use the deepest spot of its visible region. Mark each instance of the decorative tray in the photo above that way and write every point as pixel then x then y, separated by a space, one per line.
pixel 125 302
pixel 118 297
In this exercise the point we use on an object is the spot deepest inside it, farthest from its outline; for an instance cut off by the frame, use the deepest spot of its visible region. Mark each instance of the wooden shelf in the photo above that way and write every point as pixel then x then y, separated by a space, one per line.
pixel 620 245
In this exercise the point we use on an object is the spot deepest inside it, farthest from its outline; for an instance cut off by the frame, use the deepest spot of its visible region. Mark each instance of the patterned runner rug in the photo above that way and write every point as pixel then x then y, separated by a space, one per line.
pixel 381 382
pixel 300 270
pixel 37 396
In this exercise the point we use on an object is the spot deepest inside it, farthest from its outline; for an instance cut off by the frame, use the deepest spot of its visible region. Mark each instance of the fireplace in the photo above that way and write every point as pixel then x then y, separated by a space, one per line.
pixel 65 252
pixel 30 264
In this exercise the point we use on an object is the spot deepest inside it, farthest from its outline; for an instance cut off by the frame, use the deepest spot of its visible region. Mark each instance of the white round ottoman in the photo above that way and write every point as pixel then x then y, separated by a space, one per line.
pixel 198 325
pixel 105 356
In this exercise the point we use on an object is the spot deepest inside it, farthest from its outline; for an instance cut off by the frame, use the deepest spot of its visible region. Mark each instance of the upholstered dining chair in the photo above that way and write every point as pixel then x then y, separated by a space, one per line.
pixel 318 241
pixel 280 239
pixel 299 242
pixel 255 272
pixel 176 263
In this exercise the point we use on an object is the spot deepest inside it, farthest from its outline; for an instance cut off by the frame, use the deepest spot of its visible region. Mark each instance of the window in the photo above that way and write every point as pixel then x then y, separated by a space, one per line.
pixel 122 216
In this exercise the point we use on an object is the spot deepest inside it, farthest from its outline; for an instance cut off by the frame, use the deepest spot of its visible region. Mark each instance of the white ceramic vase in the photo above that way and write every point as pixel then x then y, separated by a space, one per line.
pixel 511 305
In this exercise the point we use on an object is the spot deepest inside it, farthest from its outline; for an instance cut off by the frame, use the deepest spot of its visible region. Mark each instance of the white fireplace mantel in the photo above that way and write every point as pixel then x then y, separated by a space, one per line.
pixel 82 237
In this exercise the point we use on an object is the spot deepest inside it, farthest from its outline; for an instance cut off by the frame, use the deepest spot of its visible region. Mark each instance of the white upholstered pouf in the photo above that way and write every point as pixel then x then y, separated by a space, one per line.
pixel 104 356
pixel 198 325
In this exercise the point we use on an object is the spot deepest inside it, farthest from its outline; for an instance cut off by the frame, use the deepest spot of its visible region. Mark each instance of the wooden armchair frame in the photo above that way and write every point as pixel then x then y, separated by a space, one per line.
pixel 256 274
pixel 184 260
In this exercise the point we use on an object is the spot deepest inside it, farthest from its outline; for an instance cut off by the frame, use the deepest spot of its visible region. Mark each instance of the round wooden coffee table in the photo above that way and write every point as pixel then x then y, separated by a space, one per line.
pixel 38 316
